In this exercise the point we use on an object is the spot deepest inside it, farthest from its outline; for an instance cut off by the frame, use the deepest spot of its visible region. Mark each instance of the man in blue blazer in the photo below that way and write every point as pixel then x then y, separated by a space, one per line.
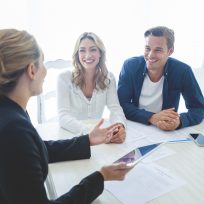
pixel 150 86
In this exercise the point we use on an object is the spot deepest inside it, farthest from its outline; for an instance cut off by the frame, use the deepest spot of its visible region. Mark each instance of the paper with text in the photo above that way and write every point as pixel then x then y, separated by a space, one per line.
pixel 144 183
pixel 140 135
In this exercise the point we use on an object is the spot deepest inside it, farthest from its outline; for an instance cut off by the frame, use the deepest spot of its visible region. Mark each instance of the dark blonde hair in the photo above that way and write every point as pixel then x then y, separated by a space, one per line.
pixel 101 76
pixel 17 50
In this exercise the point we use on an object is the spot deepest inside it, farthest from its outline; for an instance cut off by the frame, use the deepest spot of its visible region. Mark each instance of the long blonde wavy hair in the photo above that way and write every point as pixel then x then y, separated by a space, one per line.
pixel 101 76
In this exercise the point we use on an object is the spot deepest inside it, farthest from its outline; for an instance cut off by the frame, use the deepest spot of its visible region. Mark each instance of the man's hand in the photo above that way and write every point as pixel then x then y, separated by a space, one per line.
pixel 170 125
pixel 166 119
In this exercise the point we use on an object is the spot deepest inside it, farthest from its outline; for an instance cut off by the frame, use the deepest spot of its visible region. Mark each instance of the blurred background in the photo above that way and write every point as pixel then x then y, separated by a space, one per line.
pixel 56 24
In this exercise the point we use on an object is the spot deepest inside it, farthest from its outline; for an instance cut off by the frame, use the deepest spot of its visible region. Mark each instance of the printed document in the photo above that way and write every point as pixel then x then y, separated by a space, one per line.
pixel 144 183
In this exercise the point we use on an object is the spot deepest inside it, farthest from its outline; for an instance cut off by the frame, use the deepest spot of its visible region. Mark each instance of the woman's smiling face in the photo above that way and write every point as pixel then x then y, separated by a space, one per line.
pixel 89 54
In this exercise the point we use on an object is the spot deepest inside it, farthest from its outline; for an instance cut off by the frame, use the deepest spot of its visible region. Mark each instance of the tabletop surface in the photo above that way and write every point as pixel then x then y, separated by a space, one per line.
pixel 187 163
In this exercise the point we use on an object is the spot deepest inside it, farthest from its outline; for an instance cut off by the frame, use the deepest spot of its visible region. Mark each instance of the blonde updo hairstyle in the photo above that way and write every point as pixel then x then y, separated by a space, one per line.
pixel 101 76
pixel 17 50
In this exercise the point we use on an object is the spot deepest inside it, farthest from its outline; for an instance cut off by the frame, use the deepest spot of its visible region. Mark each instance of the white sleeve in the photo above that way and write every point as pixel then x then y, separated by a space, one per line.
pixel 116 111
pixel 66 120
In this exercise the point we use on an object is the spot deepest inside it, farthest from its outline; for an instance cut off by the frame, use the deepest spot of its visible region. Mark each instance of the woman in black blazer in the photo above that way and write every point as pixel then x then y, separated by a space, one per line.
pixel 24 156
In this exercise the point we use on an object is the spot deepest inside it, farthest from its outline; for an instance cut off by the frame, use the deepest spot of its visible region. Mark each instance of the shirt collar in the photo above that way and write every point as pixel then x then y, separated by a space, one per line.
pixel 165 69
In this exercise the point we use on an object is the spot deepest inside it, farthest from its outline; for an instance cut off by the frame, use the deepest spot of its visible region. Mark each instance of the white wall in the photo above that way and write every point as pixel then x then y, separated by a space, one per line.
pixel 57 23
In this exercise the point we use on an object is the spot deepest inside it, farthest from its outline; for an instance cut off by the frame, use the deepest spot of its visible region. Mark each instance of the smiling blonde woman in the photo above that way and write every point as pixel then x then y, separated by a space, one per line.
pixel 84 92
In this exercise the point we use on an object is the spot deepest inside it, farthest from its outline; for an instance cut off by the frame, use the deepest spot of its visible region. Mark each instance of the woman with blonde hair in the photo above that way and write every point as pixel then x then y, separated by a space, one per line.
pixel 84 92
pixel 24 156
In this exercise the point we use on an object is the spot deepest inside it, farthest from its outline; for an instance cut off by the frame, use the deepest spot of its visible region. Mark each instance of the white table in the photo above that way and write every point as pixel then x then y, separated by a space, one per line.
pixel 187 163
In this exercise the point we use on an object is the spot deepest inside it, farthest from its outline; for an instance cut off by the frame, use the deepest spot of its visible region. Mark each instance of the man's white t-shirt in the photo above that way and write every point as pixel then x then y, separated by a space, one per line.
pixel 151 95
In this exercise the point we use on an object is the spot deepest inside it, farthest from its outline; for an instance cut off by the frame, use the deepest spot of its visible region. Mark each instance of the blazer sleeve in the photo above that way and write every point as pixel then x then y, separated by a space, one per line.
pixel 23 170
pixel 85 192
pixel 70 149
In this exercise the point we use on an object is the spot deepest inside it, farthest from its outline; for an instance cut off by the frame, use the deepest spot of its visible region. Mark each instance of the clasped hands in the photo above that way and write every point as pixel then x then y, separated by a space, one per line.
pixel 113 134
pixel 166 119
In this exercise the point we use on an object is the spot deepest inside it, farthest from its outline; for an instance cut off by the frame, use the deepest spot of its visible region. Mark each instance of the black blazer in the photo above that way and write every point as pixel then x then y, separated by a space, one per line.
pixel 24 161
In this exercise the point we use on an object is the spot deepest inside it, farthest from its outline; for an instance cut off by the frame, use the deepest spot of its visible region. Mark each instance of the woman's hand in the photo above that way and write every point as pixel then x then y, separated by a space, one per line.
pixel 102 135
pixel 114 171
pixel 119 134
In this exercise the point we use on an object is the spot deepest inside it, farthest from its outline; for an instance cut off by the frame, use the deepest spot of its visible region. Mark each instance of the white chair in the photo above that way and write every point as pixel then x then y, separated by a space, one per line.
pixel 46 102
pixel 50 187
pixel 47 106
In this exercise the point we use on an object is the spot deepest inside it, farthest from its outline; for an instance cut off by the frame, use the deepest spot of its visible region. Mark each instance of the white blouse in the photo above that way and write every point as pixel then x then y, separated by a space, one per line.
pixel 73 106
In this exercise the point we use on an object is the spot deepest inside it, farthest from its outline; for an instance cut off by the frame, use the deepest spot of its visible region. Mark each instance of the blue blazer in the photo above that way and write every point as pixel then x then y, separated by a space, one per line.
pixel 178 79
